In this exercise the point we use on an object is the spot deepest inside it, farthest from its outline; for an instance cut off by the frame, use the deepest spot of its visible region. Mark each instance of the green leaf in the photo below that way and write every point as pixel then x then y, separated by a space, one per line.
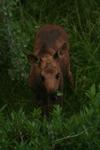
pixel 93 90
pixel 59 94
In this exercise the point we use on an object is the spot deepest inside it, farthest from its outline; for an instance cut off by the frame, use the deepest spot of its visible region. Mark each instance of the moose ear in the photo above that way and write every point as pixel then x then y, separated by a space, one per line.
pixel 64 46
pixel 32 58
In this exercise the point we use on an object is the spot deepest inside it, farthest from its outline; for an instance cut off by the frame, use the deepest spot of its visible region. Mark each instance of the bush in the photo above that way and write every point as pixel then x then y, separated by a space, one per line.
pixel 77 125
pixel 81 131
pixel 21 20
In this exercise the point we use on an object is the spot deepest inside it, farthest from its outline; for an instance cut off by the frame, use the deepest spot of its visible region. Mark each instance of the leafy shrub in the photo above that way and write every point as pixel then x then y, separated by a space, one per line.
pixel 72 128
pixel 21 20
pixel 81 131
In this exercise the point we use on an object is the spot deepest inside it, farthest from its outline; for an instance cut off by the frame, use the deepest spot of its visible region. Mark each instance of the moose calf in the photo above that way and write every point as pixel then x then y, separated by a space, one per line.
pixel 50 63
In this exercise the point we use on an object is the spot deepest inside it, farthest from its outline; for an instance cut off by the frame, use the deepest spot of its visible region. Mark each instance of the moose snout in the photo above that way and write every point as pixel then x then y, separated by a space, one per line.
pixel 51 90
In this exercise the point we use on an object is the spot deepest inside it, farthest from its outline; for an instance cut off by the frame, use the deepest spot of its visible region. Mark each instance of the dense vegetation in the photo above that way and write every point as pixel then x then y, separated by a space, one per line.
pixel 77 125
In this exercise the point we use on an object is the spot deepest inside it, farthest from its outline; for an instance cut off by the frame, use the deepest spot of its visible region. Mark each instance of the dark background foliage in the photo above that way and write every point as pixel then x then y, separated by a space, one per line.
pixel 24 128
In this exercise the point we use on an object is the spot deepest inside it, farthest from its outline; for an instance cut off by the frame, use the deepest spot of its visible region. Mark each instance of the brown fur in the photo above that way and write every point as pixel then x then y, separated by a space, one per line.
pixel 47 72
pixel 51 39
pixel 45 79
pixel 50 62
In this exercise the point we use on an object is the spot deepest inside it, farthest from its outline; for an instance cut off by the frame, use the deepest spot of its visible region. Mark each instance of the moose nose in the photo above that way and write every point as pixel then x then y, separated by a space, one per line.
pixel 52 92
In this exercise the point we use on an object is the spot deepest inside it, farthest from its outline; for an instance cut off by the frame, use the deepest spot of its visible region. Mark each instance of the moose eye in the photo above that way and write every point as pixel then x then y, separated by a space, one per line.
pixel 57 76
pixel 37 60
pixel 42 78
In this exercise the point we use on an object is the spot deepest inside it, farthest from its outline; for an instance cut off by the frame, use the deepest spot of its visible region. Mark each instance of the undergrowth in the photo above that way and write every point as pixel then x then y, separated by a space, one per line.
pixel 76 125
pixel 26 132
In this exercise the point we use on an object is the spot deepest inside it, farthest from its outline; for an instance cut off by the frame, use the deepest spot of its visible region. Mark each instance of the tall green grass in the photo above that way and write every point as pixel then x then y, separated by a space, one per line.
pixel 21 131
pixel 77 127
pixel 22 19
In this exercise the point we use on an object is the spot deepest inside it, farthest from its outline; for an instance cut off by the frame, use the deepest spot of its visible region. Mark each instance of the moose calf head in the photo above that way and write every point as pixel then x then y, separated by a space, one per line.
pixel 46 70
